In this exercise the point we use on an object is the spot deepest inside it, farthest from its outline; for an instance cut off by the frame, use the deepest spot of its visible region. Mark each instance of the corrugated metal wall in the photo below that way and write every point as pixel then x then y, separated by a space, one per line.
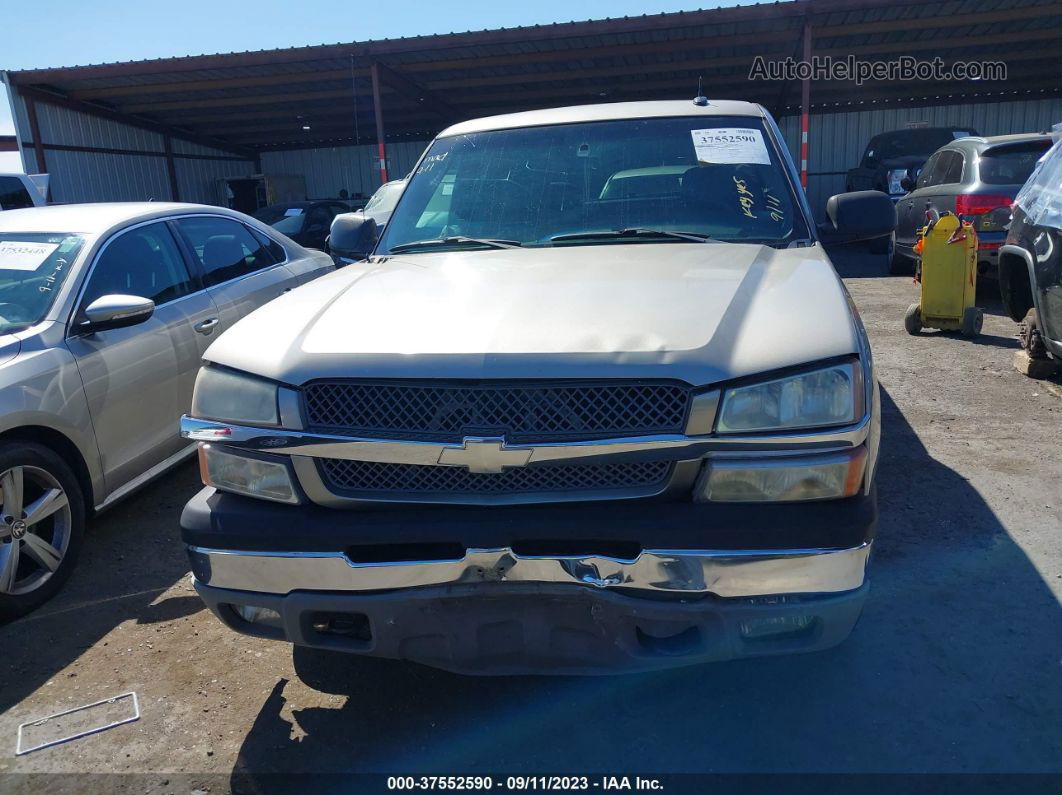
pixel 353 168
pixel 87 176
pixel 836 143
pixel 836 140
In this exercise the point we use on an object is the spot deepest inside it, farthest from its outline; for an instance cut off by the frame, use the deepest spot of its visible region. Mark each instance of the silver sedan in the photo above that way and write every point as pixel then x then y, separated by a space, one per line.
pixel 105 311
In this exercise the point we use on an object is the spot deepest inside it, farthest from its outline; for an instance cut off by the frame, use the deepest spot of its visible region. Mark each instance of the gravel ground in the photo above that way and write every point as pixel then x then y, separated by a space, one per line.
pixel 955 666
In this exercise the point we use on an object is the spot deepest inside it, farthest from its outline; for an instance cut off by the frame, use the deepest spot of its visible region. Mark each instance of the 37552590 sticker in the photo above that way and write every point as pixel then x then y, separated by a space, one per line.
pixel 730 145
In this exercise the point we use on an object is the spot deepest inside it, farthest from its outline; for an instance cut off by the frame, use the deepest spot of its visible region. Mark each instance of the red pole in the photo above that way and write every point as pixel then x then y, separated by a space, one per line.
pixel 805 107
pixel 381 151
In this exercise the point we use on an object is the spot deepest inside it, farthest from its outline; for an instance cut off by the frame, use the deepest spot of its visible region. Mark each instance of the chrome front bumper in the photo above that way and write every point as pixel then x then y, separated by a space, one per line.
pixel 722 573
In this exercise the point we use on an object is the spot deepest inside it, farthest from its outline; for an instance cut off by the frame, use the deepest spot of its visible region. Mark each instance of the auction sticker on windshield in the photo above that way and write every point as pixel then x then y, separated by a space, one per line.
pixel 18 256
pixel 730 145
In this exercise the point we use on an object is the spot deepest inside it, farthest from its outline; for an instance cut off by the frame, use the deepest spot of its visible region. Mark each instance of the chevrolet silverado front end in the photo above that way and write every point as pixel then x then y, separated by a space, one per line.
pixel 598 402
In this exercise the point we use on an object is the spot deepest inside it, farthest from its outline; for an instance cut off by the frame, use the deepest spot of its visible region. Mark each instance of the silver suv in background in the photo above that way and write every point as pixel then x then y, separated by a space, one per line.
pixel 105 311
pixel 550 427
pixel 976 178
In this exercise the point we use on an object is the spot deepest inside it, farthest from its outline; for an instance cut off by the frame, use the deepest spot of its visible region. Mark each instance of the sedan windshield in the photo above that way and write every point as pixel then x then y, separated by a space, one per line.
pixel 285 218
pixel 32 269
pixel 678 180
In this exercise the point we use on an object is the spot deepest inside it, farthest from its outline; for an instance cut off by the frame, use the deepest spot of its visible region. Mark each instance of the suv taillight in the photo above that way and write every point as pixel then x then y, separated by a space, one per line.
pixel 980 205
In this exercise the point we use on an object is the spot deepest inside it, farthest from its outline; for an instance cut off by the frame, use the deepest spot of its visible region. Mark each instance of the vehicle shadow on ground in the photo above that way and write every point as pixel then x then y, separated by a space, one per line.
pixel 954 667
pixel 854 261
pixel 120 576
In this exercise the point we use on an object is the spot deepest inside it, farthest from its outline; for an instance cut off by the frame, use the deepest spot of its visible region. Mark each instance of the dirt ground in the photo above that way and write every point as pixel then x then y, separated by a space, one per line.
pixel 955 666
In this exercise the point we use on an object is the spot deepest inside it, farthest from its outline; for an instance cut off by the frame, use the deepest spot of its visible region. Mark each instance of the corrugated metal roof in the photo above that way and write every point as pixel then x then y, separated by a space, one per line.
pixel 262 99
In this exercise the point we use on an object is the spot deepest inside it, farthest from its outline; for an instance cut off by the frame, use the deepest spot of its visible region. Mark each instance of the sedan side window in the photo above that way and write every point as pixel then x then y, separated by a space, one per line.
pixel 276 251
pixel 225 248
pixel 144 262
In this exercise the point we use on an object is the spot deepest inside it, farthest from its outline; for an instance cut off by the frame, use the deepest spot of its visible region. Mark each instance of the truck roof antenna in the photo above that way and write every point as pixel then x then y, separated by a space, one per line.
pixel 700 100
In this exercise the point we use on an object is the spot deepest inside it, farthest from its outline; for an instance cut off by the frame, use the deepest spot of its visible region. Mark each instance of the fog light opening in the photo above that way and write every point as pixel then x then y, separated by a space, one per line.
pixel 347 625
pixel 260 616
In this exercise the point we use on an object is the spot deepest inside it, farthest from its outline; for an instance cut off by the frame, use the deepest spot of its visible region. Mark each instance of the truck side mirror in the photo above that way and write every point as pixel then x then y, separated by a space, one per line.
pixel 860 215
pixel 353 236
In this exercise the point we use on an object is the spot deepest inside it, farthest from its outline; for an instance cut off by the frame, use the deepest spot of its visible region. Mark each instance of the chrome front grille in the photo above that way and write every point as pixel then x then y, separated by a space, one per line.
pixel 367 477
pixel 521 412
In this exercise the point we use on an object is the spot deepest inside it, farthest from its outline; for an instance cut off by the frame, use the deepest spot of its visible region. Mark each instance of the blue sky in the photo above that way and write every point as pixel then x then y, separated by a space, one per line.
pixel 77 32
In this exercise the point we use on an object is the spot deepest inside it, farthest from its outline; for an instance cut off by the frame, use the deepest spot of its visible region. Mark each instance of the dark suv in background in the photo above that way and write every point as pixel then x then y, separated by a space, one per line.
pixel 306 222
pixel 891 156
pixel 976 178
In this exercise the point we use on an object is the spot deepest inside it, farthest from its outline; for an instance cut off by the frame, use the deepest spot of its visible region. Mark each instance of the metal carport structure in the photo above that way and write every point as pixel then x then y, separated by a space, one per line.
pixel 213 111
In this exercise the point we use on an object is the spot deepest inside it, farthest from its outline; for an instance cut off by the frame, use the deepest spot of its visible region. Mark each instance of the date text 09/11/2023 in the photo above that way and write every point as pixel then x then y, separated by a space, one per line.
pixel 523 783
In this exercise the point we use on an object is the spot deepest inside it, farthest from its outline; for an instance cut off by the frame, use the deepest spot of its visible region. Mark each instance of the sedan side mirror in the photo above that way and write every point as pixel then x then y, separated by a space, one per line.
pixel 115 311
pixel 353 236
pixel 907 183
pixel 860 215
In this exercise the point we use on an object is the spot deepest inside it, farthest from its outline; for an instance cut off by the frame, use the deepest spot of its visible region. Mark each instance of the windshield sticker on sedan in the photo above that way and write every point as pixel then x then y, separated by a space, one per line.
pixel 734 145
pixel 16 256
pixel 956 134
pixel 50 281
pixel 292 211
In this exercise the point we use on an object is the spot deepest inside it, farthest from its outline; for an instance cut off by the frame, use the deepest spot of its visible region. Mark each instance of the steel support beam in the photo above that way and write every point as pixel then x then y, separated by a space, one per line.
pixel 381 149
pixel 171 168
pixel 413 90
pixel 35 131
pixel 805 110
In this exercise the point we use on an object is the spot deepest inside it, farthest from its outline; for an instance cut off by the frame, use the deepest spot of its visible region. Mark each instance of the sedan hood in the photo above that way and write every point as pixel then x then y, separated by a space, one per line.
pixel 698 312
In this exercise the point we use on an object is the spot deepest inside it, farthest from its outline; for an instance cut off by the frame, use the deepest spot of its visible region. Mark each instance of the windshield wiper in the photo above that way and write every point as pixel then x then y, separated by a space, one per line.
pixel 606 234
pixel 446 241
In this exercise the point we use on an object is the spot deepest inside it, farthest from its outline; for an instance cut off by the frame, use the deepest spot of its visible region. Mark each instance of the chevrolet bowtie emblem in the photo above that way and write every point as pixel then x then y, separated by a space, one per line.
pixel 486 456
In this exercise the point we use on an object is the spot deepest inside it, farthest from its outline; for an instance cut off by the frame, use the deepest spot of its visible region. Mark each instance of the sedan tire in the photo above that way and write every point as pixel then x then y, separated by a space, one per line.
pixel 42 524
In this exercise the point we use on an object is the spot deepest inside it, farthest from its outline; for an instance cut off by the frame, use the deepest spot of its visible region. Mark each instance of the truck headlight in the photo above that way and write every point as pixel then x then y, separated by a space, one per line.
pixel 794 479
pixel 234 397
pixel 253 477
pixel 830 396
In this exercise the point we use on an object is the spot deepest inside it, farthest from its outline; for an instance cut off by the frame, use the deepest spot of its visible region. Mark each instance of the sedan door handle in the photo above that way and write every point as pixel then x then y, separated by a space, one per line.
pixel 206 326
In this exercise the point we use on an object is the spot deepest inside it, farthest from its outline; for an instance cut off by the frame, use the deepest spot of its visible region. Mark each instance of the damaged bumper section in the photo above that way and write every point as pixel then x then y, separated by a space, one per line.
pixel 489 592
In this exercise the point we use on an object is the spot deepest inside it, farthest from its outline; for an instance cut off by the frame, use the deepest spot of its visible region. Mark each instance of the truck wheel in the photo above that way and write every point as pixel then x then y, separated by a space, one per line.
pixel 42 523
pixel 1030 337
pixel 972 320
pixel 912 320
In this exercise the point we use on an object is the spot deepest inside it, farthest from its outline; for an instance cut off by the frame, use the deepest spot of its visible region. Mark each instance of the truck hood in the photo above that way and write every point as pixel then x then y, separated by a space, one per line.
pixel 698 312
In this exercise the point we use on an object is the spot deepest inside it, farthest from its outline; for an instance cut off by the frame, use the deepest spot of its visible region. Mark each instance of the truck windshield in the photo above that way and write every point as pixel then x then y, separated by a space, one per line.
pixel 32 268
pixel 599 183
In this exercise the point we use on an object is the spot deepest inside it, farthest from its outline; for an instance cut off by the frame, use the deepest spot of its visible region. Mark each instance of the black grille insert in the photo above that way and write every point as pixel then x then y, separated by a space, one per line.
pixel 532 412
pixel 344 476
